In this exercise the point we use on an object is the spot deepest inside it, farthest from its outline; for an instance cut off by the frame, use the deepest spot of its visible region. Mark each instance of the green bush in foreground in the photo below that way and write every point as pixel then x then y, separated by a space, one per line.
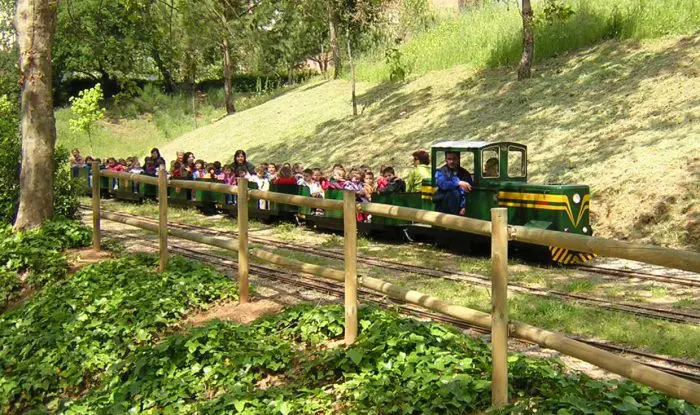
pixel 66 336
pixel 284 365
pixel 37 254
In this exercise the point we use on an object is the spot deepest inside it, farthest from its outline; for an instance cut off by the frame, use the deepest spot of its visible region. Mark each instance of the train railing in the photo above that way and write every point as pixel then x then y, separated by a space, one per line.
pixel 500 233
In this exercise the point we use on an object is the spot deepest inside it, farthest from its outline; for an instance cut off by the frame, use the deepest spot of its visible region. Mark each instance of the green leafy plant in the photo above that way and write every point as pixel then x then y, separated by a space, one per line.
pixel 398 69
pixel 37 255
pixel 9 284
pixel 70 334
pixel 65 187
pixel 87 110
pixel 9 158
pixel 555 11
pixel 287 364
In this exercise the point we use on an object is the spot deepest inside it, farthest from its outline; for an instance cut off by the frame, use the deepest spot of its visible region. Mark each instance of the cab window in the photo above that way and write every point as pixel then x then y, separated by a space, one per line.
pixel 490 162
pixel 517 166
pixel 466 160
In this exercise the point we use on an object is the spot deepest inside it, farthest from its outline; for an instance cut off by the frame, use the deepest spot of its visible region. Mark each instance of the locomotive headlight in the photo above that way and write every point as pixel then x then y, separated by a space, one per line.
pixel 585 229
pixel 576 198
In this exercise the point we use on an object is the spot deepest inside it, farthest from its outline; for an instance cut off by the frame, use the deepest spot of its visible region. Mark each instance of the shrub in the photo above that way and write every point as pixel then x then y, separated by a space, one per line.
pixel 9 159
pixel 37 254
pixel 86 110
pixel 66 189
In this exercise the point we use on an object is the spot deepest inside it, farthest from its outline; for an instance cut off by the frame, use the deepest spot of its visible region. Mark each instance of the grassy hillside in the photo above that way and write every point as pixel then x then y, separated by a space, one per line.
pixel 150 120
pixel 622 117
pixel 489 35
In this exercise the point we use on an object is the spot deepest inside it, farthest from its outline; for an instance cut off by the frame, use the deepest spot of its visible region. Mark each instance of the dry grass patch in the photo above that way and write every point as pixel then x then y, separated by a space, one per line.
pixel 81 258
pixel 234 312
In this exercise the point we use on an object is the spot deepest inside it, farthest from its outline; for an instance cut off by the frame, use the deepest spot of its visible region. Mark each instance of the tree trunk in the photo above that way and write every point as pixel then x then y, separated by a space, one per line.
pixel 335 47
pixel 352 75
pixel 528 42
pixel 164 71
pixel 228 78
pixel 322 62
pixel 35 23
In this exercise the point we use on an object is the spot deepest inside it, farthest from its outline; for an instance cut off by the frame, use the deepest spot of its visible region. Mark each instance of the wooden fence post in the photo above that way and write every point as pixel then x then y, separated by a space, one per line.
pixel 96 206
pixel 350 259
pixel 243 240
pixel 163 217
pixel 499 306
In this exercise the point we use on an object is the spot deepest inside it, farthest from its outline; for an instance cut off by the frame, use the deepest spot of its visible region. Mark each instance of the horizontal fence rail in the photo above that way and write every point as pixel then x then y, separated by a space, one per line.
pixel 139 178
pixel 666 257
pixel 670 384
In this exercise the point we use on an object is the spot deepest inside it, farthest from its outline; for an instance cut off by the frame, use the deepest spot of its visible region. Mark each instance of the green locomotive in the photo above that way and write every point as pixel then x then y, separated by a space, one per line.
pixel 553 207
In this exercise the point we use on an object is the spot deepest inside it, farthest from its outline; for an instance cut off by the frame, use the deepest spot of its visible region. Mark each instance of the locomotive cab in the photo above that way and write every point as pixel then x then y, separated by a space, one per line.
pixel 499 173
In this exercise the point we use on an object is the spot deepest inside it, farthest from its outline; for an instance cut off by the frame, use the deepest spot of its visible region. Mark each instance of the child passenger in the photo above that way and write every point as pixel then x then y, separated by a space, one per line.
pixel 337 177
pixel 199 171
pixel 285 176
pixel 318 183
pixel 135 167
pixel 305 179
pixel 263 184
pixel 76 162
pixel 369 184
pixel 150 167
pixel 356 184
pixel 394 183
pixel 381 181
pixel 271 174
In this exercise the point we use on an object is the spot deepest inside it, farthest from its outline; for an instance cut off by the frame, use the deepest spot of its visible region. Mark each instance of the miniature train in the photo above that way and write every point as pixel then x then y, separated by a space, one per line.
pixel 562 208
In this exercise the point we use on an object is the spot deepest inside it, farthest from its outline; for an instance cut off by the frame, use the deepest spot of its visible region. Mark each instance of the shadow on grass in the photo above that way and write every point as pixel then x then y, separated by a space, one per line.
pixel 587 92
pixel 608 73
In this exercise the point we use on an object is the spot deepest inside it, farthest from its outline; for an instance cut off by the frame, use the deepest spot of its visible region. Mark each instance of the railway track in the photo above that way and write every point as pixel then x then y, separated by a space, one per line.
pixel 676 367
pixel 677 316
pixel 670 279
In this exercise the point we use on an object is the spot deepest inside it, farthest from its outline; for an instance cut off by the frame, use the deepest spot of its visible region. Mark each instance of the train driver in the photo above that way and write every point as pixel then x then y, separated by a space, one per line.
pixel 453 182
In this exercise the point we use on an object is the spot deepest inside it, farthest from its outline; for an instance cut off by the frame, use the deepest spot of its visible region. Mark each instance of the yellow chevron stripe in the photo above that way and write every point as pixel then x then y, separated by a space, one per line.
pixel 561 254
pixel 529 200
pixel 557 252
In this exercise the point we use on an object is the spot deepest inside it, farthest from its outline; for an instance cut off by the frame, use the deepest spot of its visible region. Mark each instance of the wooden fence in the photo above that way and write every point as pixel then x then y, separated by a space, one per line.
pixel 500 233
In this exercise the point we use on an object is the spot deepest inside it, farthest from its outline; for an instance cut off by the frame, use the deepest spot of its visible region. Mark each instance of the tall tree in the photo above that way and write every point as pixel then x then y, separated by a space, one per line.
pixel 333 20
pixel 525 64
pixel 35 22
pixel 101 40
pixel 294 32
pixel 233 21
pixel 358 17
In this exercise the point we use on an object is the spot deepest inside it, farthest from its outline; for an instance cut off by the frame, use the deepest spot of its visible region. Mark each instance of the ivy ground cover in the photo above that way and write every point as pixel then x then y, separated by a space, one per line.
pixel 98 343
pixel 35 258
pixel 293 363
pixel 73 333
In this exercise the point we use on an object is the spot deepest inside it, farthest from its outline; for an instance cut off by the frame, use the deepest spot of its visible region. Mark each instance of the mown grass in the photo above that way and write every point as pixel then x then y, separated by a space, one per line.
pixel 134 126
pixel 488 35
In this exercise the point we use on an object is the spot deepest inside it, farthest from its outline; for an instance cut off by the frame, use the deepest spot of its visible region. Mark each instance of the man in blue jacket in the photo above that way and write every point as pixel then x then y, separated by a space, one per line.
pixel 453 182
